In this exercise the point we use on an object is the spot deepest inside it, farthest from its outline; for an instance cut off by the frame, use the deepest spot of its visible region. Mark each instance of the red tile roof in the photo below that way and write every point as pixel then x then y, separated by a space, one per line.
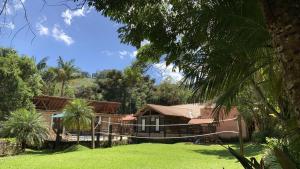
pixel 199 113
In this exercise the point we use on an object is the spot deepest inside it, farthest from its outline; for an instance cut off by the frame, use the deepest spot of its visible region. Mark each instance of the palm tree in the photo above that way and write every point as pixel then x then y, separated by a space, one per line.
pixel 78 115
pixel 27 127
pixel 65 71
pixel 42 64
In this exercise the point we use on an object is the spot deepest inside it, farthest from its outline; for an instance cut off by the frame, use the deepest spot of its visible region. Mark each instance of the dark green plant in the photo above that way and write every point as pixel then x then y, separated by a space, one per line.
pixel 78 115
pixel 27 127
pixel 19 82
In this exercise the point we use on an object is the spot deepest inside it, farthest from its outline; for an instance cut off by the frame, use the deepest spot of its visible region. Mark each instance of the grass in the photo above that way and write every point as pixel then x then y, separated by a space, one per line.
pixel 145 156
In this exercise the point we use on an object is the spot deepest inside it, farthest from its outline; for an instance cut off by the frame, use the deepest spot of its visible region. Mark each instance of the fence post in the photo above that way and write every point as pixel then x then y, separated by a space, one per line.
pixel 241 135
pixel 121 137
pixel 99 130
pixel 93 132
pixel 110 135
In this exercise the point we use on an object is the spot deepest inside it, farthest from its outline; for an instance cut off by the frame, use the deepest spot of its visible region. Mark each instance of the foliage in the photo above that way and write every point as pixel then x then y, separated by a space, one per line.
pixel 27 127
pixel 149 156
pixel 111 84
pixel 10 140
pixel 286 154
pixel 59 76
pixel 49 79
pixel 132 88
pixel 78 115
pixel 65 71
pixel 19 81
pixel 270 160
pixel 222 47
pixel 169 93
pixel 9 146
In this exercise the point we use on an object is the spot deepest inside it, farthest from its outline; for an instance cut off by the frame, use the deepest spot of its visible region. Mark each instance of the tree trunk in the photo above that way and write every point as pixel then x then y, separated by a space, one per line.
pixel 283 22
pixel 23 145
pixel 58 137
pixel 62 88
pixel 282 18
pixel 78 131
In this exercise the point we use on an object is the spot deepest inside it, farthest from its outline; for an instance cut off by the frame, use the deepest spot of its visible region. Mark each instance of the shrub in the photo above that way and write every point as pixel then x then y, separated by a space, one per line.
pixel 27 127
pixel 260 136
pixel 9 146
pixel 270 160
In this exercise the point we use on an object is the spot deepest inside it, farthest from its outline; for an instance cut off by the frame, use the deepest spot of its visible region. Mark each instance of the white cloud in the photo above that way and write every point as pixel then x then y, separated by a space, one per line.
pixel 13 6
pixel 60 35
pixel 107 53
pixel 133 54
pixel 145 42
pixel 123 54
pixel 168 71
pixel 18 4
pixel 8 25
pixel 69 14
pixel 42 30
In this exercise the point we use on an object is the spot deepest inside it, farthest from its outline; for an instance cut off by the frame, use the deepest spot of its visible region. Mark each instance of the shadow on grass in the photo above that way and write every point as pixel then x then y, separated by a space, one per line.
pixel 72 148
pixel 38 152
pixel 250 150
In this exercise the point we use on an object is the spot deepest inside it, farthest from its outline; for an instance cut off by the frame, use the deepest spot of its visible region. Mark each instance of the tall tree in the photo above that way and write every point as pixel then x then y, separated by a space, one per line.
pixel 170 93
pixel 19 81
pixel 65 71
pixel 78 115
pixel 27 127
pixel 132 88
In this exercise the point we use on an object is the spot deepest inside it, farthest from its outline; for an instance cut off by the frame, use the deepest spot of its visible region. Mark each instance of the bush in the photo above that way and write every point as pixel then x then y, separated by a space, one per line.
pixel 260 136
pixel 270 160
pixel 9 146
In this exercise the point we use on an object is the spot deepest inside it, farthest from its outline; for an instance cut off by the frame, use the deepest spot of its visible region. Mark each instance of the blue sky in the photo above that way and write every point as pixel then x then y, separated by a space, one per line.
pixel 84 35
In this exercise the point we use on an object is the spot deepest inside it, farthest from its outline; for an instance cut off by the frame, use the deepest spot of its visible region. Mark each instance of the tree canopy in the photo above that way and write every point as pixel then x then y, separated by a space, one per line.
pixel 19 81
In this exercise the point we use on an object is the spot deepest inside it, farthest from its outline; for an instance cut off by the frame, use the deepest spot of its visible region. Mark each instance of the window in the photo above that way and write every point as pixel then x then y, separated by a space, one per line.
pixel 157 124
pixel 143 124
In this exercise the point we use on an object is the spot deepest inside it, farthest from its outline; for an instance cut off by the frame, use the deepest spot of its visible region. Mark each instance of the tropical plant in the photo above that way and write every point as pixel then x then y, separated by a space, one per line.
pixel 42 64
pixel 78 115
pixel 221 45
pixel 65 71
pixel 27 127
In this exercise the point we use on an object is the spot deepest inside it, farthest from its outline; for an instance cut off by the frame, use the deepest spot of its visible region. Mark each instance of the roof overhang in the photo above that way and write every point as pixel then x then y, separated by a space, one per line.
pixel 53 103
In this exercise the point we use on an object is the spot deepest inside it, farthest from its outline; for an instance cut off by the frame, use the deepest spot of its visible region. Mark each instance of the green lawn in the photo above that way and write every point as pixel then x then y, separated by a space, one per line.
pixel 141 156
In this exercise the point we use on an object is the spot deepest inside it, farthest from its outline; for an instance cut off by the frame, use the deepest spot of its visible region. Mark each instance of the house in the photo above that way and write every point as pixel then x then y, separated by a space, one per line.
pixel 52 108
pixel 185 120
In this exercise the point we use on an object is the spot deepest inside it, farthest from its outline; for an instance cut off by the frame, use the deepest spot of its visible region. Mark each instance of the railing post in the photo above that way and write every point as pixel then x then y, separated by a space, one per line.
pixel 241 135
pixel 93 132
pixel 99 130
pixel 110 135
pixel 121 132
